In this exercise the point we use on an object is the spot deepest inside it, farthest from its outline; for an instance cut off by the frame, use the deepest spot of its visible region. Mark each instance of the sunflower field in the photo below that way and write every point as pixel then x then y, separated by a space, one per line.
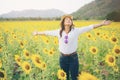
pixel 27 57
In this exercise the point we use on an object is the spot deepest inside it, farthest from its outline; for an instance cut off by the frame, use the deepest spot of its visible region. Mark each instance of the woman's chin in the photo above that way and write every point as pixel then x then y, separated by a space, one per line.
pixel 68 25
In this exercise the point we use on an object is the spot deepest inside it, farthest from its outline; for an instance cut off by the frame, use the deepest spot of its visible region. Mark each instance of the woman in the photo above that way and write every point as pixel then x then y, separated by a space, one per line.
pixel 68 40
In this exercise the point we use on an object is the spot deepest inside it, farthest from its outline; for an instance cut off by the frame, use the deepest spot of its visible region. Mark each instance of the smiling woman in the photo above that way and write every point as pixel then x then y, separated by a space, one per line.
pixel 68 40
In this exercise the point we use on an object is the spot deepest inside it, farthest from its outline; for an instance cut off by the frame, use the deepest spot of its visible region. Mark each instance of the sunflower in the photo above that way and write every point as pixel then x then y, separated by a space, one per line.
pixel 56 40
pixel 105 37
pixel 0 63
pixel 2 75
pixel 12 33
pixel 45 39
pixel 26 67
pixel 53 49
pixel 0 49
pixel 116 50
pixel 21 44
pixel 86 76
pixel 97 33
pixel 36 60
pixel 10 41
pixel 51 52
pixel 14 36
pixel 113 39
pixel 115 68
pixel 94 39
pixel 43 66
pixel 45 50
pixel 89 36
pixel 61 75
pixel 110 60
pixel 93 50
pixel 18 59
pixel 26 54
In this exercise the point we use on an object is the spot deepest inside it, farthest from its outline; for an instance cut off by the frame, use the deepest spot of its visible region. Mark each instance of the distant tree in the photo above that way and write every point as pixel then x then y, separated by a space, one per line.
pixel 115 16
pixel 87 18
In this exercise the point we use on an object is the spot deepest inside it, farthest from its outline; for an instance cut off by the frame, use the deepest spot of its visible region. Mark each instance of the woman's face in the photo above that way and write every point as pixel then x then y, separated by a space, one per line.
pixel 67 21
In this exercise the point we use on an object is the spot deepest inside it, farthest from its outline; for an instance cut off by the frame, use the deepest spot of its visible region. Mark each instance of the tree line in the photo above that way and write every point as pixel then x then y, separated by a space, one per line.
pixel 114 16
pixel 27 18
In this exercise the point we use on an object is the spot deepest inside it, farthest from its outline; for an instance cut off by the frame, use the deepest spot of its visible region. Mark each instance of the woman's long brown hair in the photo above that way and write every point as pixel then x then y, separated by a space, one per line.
pixel 63 28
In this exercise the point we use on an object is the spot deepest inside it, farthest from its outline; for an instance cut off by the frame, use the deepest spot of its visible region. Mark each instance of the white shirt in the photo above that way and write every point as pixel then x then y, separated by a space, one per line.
pixel 73 35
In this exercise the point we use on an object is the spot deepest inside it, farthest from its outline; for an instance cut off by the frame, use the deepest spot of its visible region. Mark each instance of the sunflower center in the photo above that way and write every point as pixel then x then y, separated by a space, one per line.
pixel 62 74
pixel 111 59
pixel 94 50
pixel 47 41
pixel 27 54
pixel 89 36
pixel 117 51
pixel 98 33
pixel 21 43
pixel 18 59
pixel 37 60
pixel 27 67
pixel 1 75
pixel 14 36
pixel 43 65
pixel 114 39
pixel 50 52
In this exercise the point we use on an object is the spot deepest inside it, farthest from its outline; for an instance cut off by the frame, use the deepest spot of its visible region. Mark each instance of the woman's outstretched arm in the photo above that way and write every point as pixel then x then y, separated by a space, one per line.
pixel 90 27
pixel 51 33
pixel 104 23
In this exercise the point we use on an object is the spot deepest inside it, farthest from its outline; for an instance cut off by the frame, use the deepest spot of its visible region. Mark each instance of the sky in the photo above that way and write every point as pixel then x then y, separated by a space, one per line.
pixel 67 6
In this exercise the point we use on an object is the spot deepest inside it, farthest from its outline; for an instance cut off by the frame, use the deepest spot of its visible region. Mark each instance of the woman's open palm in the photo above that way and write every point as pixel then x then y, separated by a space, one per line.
pixel 106 22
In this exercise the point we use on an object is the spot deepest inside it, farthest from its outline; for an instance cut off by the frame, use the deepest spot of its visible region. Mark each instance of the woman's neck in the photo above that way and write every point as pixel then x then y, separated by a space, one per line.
pixel 67 29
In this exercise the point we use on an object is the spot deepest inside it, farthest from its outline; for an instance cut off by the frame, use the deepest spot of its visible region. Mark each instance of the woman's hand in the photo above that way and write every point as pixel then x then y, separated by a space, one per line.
pixel 35 33
pixel 38 33
pixel 106 22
